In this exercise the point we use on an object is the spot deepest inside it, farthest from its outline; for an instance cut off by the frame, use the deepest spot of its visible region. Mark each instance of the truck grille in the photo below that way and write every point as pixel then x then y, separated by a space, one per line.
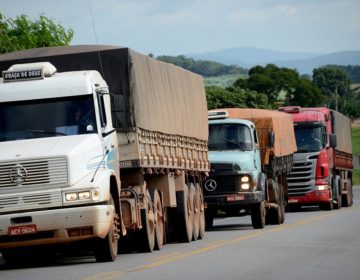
pixel 224 185
pixel 302 177
pixel 35 200
pixel 34 172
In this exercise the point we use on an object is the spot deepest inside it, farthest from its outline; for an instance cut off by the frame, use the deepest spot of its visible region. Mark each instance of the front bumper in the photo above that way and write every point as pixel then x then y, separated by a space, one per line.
pixel 57 226
pixel 311 198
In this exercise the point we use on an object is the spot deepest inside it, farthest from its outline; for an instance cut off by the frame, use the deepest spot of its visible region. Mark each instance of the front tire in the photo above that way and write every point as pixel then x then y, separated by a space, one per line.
pixel 258 215
pixel 107 248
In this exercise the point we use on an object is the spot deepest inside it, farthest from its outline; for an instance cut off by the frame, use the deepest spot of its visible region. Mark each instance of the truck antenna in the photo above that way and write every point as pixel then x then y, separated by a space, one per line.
pixel 96 40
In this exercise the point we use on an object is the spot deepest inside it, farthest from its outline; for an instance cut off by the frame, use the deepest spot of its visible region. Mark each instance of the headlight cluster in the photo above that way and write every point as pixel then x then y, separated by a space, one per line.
pixel 245 183
pixel 321 187
pixel 83 195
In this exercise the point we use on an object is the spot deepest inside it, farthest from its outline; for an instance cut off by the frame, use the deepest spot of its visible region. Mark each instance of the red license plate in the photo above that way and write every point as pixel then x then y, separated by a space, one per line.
pixel 235 197
pixel 293 201
pixel 21 230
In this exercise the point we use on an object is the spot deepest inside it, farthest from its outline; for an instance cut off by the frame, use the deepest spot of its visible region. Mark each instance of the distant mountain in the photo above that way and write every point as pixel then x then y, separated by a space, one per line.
pixel 304 62
pixel 307 65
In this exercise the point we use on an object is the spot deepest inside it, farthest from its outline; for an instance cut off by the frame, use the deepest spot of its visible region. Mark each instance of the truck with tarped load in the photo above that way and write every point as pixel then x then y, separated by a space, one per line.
pixel 100 145
pixel 251 154
pixel 322 171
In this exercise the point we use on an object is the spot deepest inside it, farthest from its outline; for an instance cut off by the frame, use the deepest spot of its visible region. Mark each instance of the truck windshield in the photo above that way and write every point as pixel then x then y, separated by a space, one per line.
pixel 229 137
pixel 309 139
pixel 47 118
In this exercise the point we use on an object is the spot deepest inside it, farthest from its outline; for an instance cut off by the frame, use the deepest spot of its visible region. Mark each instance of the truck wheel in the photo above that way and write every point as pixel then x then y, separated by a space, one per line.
pixel 258 215
pixel 347 198
pixel 282 204
pixel 185 215
pixel 201 212
pixel 194 196
pixel 159 219
pixel 209 218
pixel 107 248
pixel 337 195
pixel 146 236
pixel 276 215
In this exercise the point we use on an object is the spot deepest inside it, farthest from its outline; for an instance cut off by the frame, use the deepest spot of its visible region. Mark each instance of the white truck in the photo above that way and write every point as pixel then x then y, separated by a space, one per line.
pixel 99 144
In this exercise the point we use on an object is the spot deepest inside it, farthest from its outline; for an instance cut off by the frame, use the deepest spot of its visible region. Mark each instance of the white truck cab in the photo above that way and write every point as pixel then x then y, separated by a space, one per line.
pixel 57 161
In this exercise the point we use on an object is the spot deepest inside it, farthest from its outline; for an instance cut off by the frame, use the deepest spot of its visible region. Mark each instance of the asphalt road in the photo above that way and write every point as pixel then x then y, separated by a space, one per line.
pixel 312 244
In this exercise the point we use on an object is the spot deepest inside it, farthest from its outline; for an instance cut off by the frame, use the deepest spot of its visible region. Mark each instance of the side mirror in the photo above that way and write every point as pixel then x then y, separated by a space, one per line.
pixel 333 142
pixel 271 139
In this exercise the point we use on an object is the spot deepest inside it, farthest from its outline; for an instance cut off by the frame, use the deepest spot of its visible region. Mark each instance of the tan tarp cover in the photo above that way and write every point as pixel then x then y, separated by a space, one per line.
pixel 268 120
pixel 342 129
pixel 168 98
pixel 148 94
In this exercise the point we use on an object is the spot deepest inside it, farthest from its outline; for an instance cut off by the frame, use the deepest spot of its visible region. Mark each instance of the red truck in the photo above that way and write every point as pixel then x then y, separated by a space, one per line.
pixel 322 169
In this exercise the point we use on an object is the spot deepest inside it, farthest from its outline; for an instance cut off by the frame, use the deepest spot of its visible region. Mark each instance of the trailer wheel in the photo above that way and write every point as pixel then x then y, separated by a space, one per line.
pixel 194 197
pixel 106 249
pixel 159 219
pixel 185 214
pixel 146 236
pixel 201 211
pixel 258 215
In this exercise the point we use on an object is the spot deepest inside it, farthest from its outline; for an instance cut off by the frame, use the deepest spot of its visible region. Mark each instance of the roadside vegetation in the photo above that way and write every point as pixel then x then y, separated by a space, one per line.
pixel 356 151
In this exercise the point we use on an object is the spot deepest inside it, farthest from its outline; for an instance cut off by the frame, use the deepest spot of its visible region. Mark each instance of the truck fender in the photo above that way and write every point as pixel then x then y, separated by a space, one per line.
pixel 102 181
pixel 261 184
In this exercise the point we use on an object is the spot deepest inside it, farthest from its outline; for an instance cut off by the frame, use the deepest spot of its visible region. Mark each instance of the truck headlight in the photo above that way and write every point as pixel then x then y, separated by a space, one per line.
pixel 92 194
pixel 321 187
pixel 244 179
pixel 245 186
pixel 71 196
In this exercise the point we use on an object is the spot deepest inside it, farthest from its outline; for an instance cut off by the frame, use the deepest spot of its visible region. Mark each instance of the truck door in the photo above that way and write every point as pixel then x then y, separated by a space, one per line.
pixel 257 160
pixel 108 133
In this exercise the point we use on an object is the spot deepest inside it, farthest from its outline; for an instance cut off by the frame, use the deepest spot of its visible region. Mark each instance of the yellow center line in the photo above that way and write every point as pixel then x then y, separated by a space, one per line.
pixel 105 275
pixel 169 258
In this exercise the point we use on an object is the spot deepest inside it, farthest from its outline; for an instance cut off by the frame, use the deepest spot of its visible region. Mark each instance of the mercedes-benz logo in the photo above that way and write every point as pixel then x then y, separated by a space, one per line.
pixel 18 174
pixel 210 185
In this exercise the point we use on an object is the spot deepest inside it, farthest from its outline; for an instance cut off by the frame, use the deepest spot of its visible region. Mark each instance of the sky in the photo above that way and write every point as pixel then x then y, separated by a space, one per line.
pixel 174 27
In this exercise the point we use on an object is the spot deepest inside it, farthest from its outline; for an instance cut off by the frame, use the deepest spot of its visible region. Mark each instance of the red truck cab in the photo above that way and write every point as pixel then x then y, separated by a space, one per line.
pixel 321 174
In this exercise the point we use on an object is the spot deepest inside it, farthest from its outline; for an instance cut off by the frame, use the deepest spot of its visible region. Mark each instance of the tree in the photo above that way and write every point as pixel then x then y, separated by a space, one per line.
pixel 333 82
pixel 306 94
pixel 22 33
pixel 270 80
pixel 234 97
pixel 205 68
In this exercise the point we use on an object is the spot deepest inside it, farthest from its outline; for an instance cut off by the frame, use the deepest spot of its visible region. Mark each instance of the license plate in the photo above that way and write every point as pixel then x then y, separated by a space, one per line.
pixel 235 197
pixel 22 230
pixel 293 200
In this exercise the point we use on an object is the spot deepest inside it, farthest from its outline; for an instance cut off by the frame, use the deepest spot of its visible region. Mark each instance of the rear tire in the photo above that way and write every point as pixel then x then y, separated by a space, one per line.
pixel 277 215
pixel 159 219
pixel 337 195
pixel 146 236
pixel 185 215
pixel 201 212
pixel 347 199
pixel 107 248
pixel 194 197
pixel 258 215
